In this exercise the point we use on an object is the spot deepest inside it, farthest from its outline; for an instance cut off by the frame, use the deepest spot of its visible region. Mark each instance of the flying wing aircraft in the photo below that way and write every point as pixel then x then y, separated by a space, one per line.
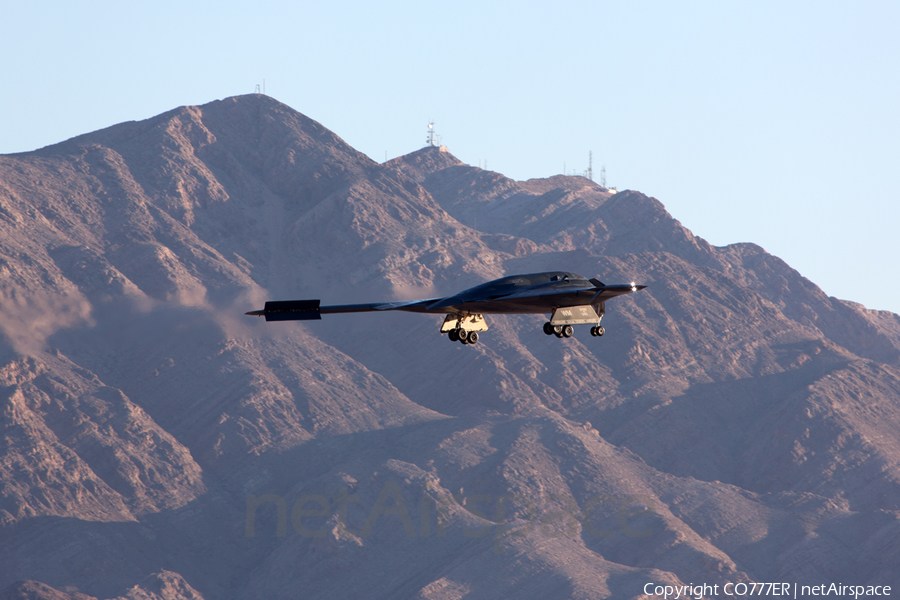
pixel 570 300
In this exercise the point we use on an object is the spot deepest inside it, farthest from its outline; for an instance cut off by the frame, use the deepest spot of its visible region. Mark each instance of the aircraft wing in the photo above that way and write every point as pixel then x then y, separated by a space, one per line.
pixel 310 310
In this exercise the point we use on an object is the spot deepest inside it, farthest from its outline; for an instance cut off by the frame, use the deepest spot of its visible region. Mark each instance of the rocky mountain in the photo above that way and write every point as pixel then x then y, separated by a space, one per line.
pixel 734 424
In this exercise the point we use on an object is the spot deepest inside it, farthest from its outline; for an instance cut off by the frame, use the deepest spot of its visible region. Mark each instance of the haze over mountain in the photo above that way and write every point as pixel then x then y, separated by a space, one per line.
pixel 734 424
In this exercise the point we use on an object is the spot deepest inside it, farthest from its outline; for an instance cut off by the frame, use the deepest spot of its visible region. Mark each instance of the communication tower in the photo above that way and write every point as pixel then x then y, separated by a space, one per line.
pixel 431 139
pixel 603 176
pixel 590 171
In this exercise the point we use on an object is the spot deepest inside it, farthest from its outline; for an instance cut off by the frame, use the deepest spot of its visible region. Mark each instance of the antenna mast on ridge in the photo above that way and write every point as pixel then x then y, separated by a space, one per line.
pixel 430 140
pixel 590 171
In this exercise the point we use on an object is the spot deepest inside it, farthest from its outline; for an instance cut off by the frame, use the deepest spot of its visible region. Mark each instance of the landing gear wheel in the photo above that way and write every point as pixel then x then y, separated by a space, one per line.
pixel 568 331
pixel 463 336
pixel 548 328
pixel 598 331
pixel 473 337
pixel 453 334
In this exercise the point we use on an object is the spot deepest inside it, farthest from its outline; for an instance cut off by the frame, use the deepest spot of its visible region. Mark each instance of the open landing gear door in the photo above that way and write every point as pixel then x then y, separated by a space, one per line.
pixel 575 315
pixel 467 323
pixel 463 328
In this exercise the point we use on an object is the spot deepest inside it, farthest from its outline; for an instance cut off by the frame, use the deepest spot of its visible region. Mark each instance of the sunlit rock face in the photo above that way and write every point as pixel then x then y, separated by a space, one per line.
pixel 733 424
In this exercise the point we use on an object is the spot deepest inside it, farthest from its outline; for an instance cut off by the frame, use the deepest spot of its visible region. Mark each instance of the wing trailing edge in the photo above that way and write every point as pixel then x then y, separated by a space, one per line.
pixel 311 310
pixel 289 310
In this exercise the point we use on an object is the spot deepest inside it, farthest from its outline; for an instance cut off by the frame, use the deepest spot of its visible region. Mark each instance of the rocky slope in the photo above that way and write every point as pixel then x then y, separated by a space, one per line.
pixel 735 423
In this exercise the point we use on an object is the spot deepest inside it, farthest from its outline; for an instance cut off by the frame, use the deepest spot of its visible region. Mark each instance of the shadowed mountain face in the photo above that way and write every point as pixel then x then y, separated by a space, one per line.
pixel 734 423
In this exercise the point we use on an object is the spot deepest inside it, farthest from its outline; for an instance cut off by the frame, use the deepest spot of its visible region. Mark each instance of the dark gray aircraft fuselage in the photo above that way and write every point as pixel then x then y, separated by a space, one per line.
pixel 570 300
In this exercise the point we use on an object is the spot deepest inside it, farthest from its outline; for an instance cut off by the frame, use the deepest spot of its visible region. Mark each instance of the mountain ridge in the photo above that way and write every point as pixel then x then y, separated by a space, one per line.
pixel 735 412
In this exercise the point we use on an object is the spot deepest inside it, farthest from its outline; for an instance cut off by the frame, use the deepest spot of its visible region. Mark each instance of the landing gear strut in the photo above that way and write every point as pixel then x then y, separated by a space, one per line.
pixel 463 328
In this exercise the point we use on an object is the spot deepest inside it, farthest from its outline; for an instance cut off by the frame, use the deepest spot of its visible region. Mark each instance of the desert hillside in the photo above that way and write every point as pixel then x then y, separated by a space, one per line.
pixel 734 423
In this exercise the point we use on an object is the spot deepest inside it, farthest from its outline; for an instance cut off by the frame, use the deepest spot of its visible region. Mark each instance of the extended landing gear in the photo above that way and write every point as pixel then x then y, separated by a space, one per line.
pixel 559 331
pixel 567 331
pixel 463 328
pixel 461 335
pixel 564 317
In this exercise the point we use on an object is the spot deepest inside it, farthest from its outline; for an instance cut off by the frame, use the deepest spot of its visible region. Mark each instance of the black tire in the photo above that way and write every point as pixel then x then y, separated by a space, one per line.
pixel 453 334
pixel 473 337
pixel 600 330
pixel 548 328
pixel 463 336
pixel 568 331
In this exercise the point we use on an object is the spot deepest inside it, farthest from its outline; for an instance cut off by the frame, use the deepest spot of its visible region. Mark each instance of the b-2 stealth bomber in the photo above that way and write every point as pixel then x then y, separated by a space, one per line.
pixel 569 299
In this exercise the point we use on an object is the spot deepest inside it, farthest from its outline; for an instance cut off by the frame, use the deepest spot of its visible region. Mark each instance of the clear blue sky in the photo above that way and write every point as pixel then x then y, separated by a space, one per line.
pixel 770 122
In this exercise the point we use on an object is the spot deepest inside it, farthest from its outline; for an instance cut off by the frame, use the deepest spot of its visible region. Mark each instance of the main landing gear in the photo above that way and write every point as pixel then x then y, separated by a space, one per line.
pixel 461 335
pixel 564 317
pixel 567 331
pixel 463 328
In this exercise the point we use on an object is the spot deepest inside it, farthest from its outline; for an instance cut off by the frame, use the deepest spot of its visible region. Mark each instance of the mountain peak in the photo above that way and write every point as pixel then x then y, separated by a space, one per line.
pixel 420 164
pixel 145 419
